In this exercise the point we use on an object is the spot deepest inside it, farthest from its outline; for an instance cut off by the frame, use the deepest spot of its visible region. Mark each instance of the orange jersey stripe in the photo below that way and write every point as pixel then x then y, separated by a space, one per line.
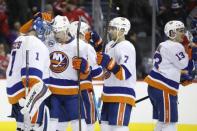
pixel 167 107
pixel 121 113
pixel 121 99
pixel 14 100
pixel 160 86
pixel 119 74
pixel 86 86
pixel 63 91
pixel 32 82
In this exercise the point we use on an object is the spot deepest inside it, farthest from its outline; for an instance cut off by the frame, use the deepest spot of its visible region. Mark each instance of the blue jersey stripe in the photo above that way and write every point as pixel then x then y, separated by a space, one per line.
pixel 18 86
pixel 62 82
pixel 167 81
pixel 32 72
pixel 127 73
pixel 118 90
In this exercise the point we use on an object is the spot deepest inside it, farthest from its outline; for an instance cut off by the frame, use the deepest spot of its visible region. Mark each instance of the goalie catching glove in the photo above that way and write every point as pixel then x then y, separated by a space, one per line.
pixel 38 93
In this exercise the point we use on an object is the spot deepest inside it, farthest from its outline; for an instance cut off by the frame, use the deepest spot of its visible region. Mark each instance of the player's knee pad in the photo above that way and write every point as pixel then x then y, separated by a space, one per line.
pixel 105 126
pixel 75 125
pixel 119 128
pixel 90 127
pixel 161 126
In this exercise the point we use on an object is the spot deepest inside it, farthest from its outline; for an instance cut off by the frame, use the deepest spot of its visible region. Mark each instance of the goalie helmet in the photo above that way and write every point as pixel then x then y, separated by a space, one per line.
pixel 41 27
pixel 83 28
pixel 171 28
pixel 121 23
pixel 60 23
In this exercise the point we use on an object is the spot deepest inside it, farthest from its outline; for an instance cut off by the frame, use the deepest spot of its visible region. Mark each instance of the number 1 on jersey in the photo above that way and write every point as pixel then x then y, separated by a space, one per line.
pixel 12 64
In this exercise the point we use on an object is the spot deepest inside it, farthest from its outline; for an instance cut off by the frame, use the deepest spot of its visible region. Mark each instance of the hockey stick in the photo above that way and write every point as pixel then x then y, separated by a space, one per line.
pixel 107 25
pixel 78 75
pixel 26 116
pixel 141 99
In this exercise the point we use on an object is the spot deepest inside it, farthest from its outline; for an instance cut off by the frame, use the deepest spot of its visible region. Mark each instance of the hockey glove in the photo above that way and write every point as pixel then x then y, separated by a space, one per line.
pixel 94 39
pixel 186 79
pixel 106 62
pixel 44 16
pixel 81 64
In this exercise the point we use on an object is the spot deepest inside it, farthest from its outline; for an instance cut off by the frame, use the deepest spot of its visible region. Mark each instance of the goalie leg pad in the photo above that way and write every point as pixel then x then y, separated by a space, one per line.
pixel 36 96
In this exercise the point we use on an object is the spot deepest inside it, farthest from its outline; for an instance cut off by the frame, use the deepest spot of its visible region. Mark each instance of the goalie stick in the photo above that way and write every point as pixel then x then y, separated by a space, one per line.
pixel 27 121
pixel 78 75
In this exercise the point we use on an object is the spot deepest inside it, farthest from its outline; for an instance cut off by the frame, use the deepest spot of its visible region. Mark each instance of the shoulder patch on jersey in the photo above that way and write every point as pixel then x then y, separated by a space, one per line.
pixel 59 61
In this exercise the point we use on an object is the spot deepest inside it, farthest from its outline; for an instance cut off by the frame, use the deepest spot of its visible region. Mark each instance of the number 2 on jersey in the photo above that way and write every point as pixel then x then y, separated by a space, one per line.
pixel 158 59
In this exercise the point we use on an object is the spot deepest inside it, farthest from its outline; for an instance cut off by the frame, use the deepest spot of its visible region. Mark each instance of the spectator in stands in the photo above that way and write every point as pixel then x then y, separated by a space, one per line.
pixel 139 14
pixel 4 27
pixel 3 61
pixel 73 12
pixel 59 7
pixel 18 10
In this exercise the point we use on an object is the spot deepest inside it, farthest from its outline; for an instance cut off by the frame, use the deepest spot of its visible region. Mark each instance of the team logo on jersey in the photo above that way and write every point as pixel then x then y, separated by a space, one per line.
pixel 59 61
pixel 107 74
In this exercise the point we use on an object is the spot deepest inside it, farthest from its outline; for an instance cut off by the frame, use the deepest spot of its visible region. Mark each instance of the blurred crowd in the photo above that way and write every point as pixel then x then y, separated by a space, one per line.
pixel 14 13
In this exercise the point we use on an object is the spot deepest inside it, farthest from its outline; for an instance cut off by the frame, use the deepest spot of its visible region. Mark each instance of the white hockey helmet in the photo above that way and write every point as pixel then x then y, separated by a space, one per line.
pixel 172 26
pixel 83 28
pixel 121 23
pixel 60 23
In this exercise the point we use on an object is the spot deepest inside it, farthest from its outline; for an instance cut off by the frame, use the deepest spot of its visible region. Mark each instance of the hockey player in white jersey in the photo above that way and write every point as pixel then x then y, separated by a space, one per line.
pixel 64 79
pixel 118 92
pixel 163 81
pixel 96 71
pixel 26 74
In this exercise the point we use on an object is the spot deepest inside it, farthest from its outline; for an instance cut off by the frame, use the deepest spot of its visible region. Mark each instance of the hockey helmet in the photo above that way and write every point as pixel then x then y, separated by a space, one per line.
pixel 83 28
pixel 121 23
pixel 171 27
pixel 60 23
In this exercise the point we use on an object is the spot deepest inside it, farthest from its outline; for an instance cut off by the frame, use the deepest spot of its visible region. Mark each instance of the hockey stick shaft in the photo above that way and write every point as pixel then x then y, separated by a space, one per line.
pixel 141 99
pixel 107 25
pixel 78 75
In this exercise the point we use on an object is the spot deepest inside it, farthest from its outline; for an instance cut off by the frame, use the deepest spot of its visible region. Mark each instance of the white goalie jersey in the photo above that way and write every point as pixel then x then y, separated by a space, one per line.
pixel 16 72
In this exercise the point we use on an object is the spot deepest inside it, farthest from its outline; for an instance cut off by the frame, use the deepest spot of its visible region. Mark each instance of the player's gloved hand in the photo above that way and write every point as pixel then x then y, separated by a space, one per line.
pixel 94 39
pixel 43 15
pixel 80 64
pixel 106 62
pixel 186 79
pixel 37 15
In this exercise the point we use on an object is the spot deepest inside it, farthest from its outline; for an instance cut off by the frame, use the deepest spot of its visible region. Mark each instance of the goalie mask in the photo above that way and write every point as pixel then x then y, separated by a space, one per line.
pixel 83 28
pixel 121 23
pixel 172 27
pixel 42 28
